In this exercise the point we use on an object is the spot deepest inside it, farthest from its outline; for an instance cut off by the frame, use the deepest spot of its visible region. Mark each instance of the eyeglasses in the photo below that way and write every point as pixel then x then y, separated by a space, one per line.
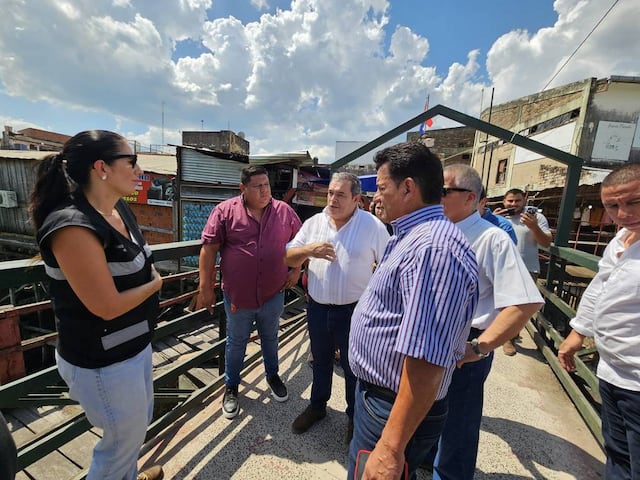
pixel 446 190
pixel 133 158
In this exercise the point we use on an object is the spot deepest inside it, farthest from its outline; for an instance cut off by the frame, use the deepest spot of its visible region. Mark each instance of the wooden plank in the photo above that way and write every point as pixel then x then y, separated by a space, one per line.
pixel 54 466
pixel 19 430
pixel 80 449
pixel 203 375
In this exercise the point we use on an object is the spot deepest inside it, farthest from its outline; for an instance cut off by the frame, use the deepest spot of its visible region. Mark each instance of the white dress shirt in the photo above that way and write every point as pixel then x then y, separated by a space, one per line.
pixel 503 278
pixel 609 311
pixel 359 244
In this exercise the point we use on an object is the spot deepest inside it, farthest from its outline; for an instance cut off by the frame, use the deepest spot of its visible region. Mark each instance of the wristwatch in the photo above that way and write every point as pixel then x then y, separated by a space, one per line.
pixel 476 349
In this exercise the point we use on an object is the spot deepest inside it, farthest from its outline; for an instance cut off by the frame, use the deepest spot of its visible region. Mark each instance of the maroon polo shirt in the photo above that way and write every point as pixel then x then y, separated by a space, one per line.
pixel 252 253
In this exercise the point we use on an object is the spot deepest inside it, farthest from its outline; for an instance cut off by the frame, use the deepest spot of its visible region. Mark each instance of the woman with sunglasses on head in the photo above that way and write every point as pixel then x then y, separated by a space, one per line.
pixel 105 293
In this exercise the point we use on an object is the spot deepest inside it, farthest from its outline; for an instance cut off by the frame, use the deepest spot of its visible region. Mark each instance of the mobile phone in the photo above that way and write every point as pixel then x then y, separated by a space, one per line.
pixel 361 461
pixel 510 211
pixel 531 210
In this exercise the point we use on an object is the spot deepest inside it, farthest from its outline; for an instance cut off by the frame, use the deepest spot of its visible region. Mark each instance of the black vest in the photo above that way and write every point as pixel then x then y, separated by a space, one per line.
pixel 86 340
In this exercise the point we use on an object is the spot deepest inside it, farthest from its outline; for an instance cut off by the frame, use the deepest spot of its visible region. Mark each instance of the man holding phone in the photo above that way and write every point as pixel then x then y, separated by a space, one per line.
pixel 532 229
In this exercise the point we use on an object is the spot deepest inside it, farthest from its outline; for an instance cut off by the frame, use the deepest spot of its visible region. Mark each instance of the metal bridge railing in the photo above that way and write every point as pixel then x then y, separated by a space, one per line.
pixel 569 272
pixel 46 388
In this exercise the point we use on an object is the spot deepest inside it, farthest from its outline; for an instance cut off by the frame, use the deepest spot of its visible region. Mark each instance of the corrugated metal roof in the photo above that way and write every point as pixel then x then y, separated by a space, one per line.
pixel 24 154
pixel 197 166
pixel 163 164
pixel 298 159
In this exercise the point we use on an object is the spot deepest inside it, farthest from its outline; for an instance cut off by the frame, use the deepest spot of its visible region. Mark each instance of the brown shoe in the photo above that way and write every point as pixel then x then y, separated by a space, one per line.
pixel 509 348
pixel 153 473
pixel 306 419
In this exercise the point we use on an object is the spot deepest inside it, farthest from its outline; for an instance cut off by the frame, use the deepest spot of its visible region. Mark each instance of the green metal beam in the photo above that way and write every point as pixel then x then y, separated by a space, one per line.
pixel 572 255
pixel 20 272
pixel 573 162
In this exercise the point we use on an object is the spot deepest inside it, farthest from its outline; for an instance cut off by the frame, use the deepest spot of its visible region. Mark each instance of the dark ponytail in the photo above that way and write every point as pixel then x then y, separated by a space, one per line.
pixel 51 189
pixel 59 175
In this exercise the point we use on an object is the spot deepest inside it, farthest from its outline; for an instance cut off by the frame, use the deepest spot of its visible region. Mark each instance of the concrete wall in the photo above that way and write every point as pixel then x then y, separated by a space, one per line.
pixel 552 117
pixel 223 141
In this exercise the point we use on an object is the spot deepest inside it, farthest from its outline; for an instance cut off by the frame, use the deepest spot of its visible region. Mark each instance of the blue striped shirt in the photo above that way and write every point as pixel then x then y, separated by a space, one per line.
pixel 419 302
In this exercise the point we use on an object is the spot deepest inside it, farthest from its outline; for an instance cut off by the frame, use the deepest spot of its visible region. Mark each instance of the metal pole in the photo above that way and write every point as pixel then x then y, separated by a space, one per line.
pixel 486 141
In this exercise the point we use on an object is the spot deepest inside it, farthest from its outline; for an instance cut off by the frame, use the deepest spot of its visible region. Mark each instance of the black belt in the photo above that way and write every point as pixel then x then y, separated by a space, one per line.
pixel 381 392
pixel 333 305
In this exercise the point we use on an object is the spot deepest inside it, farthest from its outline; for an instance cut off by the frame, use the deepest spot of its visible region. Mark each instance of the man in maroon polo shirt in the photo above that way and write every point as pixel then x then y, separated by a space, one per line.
pixel 250 233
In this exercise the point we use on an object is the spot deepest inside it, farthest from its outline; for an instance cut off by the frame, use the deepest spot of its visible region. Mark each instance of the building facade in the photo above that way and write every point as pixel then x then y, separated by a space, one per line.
pixel 595 119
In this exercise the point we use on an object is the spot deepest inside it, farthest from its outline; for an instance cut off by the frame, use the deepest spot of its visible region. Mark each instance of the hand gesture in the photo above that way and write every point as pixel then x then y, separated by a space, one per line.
pixel 383 463
pixel 322 250
pixel 469 355
pixel 529 220
pixel 205 299
pixel 567 350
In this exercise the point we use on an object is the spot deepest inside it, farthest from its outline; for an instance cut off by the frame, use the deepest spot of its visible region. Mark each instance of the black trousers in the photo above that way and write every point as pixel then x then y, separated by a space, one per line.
pixel 8 455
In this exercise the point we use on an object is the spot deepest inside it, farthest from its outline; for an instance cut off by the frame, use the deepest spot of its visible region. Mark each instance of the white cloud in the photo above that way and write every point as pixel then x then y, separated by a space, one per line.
pixel 260 4
pixel 520 63
pixel 299 78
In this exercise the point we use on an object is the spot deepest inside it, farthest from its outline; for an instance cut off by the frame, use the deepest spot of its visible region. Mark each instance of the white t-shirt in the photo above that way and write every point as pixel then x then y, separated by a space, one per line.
pixel 503 278
pixel 609 311
pixel 359 244
pixel 527 245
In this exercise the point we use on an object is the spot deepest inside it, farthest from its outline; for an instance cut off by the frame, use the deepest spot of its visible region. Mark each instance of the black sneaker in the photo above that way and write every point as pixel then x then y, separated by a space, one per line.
pixel 278 390
pixel 230 405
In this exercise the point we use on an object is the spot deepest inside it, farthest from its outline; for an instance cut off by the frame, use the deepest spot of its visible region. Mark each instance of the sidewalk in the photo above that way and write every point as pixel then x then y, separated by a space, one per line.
pixel 530 428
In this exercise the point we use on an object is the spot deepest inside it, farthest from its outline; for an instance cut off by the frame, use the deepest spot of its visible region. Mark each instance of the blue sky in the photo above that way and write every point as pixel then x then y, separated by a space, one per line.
pixel 293 75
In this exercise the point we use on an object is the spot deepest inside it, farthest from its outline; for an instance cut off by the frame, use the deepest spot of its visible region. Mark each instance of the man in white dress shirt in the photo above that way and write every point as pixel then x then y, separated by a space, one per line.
pixel 609 311
pixel 507 298
pixel 342 244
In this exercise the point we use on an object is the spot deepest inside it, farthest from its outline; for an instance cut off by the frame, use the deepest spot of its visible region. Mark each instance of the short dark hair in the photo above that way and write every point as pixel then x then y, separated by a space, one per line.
pixel 251 171
pixel 515 191
pixel 416 161
pixel 621 175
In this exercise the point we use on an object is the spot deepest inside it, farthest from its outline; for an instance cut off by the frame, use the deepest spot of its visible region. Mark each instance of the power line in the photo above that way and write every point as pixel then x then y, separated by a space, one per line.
pixel 581 43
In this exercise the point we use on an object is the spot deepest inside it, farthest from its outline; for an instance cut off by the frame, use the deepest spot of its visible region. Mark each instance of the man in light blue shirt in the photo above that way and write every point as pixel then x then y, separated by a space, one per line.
pixel 411 323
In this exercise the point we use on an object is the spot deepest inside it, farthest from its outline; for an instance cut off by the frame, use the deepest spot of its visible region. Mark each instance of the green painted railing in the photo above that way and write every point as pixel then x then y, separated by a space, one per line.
pixel 550 326
pixel 46 387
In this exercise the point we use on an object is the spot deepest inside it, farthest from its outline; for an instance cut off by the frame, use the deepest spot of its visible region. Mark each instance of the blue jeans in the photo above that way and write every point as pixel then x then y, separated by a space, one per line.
pixel 371 415
pixel 119 400
pixel 239 327
pixel 329 327
pixel 458 445
pixel 621 431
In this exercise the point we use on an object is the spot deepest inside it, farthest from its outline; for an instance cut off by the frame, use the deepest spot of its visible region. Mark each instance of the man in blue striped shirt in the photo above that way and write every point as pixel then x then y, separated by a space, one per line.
pixel 411 324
